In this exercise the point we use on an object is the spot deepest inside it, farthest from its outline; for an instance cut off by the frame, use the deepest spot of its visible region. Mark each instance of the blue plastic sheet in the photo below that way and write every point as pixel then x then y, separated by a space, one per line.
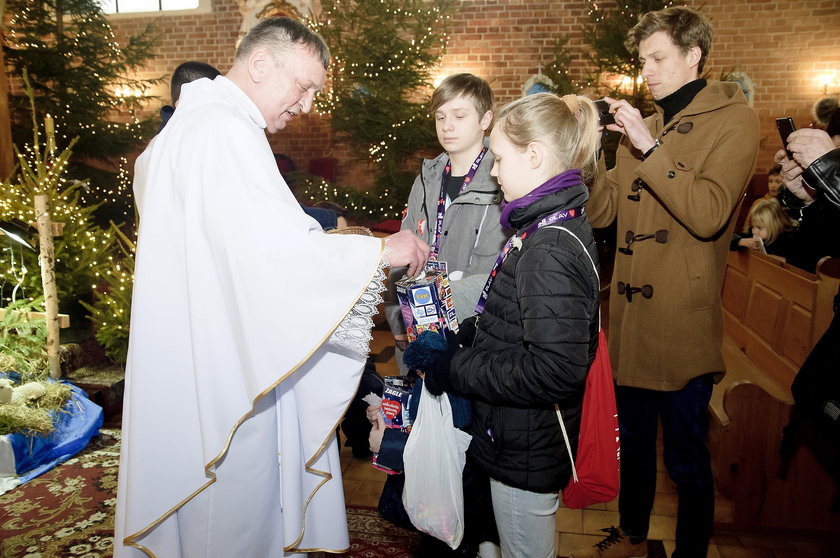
pixel 75 425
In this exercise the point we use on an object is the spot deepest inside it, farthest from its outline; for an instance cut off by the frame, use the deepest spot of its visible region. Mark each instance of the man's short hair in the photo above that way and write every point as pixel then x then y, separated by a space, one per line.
pixel 824 108
pixel 687 29
pixel 187 72
pixel 464 85
pixel 278 35
pixel 833 127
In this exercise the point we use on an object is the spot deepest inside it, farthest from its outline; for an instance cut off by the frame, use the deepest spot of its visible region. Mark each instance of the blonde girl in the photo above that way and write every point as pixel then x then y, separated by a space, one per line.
pixel 538 317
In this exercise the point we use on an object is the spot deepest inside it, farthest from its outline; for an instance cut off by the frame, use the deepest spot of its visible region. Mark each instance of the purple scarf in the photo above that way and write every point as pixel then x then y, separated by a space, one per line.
pixel 563 180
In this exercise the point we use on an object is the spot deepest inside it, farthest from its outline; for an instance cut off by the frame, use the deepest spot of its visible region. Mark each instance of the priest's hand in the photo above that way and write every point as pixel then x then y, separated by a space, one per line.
pixel 406 249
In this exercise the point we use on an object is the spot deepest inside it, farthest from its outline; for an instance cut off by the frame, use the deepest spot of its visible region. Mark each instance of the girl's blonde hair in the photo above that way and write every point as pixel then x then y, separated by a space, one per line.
pixel 568 125
pixel 769 215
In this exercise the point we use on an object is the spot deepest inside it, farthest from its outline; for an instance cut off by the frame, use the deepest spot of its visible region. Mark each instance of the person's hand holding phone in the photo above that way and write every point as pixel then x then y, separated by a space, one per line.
pixel 792 176
pixel 809 144
pixel 629 121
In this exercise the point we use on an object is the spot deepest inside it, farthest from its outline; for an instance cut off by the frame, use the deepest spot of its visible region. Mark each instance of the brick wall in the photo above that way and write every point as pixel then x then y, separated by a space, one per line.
pixel 785 47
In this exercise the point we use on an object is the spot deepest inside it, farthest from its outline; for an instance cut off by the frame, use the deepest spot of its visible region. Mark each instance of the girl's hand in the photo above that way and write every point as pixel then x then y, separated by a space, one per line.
pixel 751 243
pixel 372 412
pixel 376 433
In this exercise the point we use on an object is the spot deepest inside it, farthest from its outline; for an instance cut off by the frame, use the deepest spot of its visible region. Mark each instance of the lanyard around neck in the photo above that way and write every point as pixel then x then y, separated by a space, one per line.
pixel 441 209
pixel 556 217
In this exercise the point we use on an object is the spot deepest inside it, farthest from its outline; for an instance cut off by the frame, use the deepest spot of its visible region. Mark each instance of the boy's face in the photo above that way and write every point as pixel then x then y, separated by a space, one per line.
pixel 460 129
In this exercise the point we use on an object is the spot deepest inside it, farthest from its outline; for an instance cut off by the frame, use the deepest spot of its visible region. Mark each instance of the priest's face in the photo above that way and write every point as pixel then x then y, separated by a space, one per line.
pixel 288 88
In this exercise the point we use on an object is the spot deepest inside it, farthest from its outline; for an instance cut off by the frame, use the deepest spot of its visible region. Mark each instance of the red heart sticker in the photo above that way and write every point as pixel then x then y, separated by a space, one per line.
pixel 391 408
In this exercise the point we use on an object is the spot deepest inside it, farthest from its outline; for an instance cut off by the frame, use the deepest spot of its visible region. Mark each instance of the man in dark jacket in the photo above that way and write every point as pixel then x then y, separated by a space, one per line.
pixel 812 183
pixel 816 388
pixel 679 177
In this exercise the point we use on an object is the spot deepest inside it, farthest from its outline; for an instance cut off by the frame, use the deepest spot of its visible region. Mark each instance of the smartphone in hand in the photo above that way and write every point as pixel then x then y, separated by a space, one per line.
pixel 786 127
pixel 604 115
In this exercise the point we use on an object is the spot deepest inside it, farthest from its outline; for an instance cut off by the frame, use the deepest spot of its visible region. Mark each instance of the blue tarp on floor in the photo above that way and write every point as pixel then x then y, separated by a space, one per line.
pixel 75 425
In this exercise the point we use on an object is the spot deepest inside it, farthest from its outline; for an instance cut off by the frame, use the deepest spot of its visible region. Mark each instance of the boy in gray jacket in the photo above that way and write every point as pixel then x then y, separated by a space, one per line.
pixel 454 202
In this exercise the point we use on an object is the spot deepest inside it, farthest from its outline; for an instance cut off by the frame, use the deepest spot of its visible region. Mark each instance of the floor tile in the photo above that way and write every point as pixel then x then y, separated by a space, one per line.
pixel 665 503
pixel 569 521
pixel 367 494
pixel 817 547
pixel 662 527
pixel 595 520
pixel 569 542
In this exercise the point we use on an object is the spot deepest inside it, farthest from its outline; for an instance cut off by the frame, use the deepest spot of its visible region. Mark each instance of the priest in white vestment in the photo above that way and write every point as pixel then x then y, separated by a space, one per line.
pixel 249 329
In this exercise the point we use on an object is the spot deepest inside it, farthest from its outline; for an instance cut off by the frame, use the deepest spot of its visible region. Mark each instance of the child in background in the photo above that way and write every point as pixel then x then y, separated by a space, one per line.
pixel 537 336
pixel 771 229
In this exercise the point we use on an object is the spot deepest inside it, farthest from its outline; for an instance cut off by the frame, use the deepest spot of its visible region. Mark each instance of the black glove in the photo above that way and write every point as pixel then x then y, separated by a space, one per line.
pixel 431 353
pixel 466 331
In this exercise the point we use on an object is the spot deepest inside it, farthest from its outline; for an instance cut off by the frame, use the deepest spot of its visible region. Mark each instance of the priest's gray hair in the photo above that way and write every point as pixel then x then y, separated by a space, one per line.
pixel 278 35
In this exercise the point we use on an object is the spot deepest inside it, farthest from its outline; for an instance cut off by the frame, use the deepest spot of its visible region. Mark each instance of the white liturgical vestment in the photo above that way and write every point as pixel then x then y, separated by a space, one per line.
pixel 249 331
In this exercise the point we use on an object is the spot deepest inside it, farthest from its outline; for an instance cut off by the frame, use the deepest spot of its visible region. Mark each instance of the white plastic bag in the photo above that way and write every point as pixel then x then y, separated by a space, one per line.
pixel 434 458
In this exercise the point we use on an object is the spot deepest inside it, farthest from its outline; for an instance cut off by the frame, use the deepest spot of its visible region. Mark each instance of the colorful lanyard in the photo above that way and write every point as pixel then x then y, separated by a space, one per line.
pixel 556 217
pixel 447 172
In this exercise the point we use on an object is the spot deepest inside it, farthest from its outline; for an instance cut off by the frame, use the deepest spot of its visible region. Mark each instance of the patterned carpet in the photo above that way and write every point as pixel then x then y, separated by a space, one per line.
pixel 68 512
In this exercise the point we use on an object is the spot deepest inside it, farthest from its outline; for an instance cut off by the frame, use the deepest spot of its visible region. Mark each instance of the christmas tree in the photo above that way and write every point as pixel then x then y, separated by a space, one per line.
pixel 606 35
pixel 380 79
pixel 79 73
pixel 606 53
pixel 111 308
pixel 81 249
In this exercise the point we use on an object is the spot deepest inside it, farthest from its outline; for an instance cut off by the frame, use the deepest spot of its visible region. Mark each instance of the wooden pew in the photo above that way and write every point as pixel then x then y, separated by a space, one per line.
pixel 773 315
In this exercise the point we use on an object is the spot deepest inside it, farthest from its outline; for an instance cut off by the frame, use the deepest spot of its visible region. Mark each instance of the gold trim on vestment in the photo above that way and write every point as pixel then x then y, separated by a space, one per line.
pixel 129 540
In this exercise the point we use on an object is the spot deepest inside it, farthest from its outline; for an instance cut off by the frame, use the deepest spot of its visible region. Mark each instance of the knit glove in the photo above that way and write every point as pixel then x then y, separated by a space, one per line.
pixel 431 354
pixel 466 331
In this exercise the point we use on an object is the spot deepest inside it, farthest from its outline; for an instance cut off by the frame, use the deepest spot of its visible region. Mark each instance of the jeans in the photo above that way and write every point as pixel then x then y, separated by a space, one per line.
pixel 525 521
pixel 685 423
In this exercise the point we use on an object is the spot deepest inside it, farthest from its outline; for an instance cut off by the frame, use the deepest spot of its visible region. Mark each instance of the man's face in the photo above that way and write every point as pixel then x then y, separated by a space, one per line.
pixel 664 67
pixel 774 181
pixel 288 86
pixel 459 126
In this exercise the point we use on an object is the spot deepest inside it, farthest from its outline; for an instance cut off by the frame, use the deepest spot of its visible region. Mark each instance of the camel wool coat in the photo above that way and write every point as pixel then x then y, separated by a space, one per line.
pixel 691 187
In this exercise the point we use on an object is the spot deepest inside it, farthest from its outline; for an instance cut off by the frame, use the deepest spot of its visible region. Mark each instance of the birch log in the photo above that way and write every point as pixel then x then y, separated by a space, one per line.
pixel 47 261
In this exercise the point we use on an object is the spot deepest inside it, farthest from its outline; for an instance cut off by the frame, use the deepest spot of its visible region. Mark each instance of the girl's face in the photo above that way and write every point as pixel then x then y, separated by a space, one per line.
pixel 511 168
pixel 759 232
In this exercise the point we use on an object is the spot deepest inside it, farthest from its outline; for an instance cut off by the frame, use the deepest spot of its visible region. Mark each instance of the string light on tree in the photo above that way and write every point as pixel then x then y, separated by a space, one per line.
pixel 384 55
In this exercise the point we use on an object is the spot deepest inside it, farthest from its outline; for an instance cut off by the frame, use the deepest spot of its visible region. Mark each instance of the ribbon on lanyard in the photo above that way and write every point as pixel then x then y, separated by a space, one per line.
pixel 556 217
pixel 441 209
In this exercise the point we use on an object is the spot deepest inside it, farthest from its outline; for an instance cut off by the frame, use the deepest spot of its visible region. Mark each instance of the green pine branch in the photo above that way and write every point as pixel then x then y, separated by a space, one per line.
pixel 76 67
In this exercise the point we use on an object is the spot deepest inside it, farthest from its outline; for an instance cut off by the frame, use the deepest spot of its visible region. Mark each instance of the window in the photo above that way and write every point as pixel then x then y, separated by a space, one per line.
pixel 136 6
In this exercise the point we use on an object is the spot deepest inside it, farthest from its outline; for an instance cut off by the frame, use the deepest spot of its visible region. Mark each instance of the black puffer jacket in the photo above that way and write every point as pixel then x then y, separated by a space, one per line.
pixel 533 347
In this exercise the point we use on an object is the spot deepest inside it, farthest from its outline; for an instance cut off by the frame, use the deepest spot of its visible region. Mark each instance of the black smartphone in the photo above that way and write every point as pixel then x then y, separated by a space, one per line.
pixel 786 127
pixel 604 115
